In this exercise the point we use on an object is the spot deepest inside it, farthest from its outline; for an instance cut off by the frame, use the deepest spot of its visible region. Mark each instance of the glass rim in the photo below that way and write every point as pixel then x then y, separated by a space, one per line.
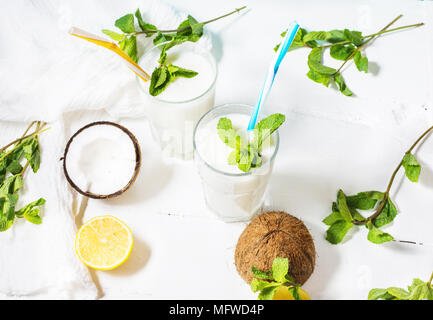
pixel 241 174
pixel 204 52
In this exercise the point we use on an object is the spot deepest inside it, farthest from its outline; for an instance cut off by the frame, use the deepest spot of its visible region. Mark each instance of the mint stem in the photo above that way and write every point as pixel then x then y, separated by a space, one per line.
pixel 186 28
pixel 366 42
pixel 386 196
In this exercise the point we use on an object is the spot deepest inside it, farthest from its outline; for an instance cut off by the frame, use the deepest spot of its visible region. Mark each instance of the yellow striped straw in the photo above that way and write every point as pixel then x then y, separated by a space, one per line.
pixel 111 46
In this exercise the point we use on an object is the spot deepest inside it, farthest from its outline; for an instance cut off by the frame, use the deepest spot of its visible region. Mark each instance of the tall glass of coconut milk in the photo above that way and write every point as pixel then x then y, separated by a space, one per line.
pixel 233 195
pixel 174 113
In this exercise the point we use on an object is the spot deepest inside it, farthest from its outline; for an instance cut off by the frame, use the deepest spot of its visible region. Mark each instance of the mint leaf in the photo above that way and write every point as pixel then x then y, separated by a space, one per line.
pixel 342 206
pixel 336 232
pixel 353 36
pixel 294 290
pixel 268 292
pixel 332 218
pixel 226 132
pixel 412 167
pixel 113 35
pixel 315 62
pixel 338 79
pixel 376 294
pixel 317 35
pixel 143 25
pixel 280 267
pixel 160 38
pixel 261 274
pixel 319 78
pixel 32 153
pixel 387 215
pixel 364 200
pixel 159 80
pixel 259 285
pixel 399 293
pixel 14 167
pixel 376 235
pixel 29 207
pixel 129 46
pixel 181 72
pixel 361 62
pixel 11 185
pixel 126 23
pixel 341 52
pixel 266 127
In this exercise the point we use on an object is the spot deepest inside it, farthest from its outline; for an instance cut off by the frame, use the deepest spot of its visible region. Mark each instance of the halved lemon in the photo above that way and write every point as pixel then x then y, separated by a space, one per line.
pixel 283 293
pixel 104 243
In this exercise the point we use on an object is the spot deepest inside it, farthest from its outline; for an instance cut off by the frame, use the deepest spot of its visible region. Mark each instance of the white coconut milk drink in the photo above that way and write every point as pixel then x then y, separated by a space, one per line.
pixel 233 195
pixel 174 113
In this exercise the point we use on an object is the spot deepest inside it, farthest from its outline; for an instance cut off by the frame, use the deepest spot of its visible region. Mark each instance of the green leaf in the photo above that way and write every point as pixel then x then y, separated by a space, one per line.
pixel 353 36
pixel 113 35
pixel 143 25
pixel 412 167
pixel 332 218
pixel 29 207
pixel 341 52
pixel 11 185
pixel 399 293
pixel 266 127
pixel 376 235
pixel 32 153
pixel 14 167
pixel 294 290
pixel 319 78
pixel 129 46
pixel 259 285
pixel 160 38
pixel 261 274
pixel 280 267
pixel 364 200
pixel 315 62
pixel 377 293
pixel 317 35
pixel 33 216
pixel 181 72
pixel 338 79
pixel 361 61
pixel 268 292
pixel 336 232
pixel 159 80
pixel 193 31
pixel 336 36
pixel 387 215
pixel 342 206
pixel 126 23
pixel 226 132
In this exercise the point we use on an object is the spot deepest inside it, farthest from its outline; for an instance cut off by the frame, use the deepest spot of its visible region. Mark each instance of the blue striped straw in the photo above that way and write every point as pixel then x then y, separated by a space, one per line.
pixel 270 76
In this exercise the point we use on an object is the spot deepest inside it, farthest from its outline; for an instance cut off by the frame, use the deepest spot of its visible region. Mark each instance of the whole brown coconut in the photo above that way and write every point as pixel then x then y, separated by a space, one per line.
pixel 272 235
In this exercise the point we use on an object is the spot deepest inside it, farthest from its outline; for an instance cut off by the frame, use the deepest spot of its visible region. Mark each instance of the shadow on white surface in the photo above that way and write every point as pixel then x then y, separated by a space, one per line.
pixel 140 256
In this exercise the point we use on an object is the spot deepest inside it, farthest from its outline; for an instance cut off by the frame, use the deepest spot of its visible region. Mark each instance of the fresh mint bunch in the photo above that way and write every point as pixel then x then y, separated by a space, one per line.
pixel 246 154
pixel 419 290
pixel 268 282
pixel 189 30
pixel 11 178
pixel 345 45
pixel 346 210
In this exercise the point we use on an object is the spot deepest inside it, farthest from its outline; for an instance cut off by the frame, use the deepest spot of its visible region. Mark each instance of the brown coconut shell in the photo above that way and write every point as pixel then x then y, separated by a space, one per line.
pixel 272 235
pixel 136 168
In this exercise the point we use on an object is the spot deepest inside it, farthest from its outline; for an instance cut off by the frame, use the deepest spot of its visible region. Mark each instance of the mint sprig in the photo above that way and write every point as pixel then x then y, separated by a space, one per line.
pixel 247 153
pixel 418 290
pixel 11 177
pixel 346 210
pixel 268 282
pixel 345 45
pixel 189 30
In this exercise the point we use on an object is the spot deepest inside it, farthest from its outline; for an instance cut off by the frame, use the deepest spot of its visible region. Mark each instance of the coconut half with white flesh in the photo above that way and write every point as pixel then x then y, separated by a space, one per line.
pixel 102 160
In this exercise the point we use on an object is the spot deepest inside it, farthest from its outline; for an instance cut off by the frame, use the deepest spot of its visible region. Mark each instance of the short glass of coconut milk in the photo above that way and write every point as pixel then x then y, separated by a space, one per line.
pixel 233 195
pixel 174 113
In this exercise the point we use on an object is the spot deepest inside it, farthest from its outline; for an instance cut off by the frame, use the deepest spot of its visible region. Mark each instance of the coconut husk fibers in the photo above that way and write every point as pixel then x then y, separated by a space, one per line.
pixel 271 235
